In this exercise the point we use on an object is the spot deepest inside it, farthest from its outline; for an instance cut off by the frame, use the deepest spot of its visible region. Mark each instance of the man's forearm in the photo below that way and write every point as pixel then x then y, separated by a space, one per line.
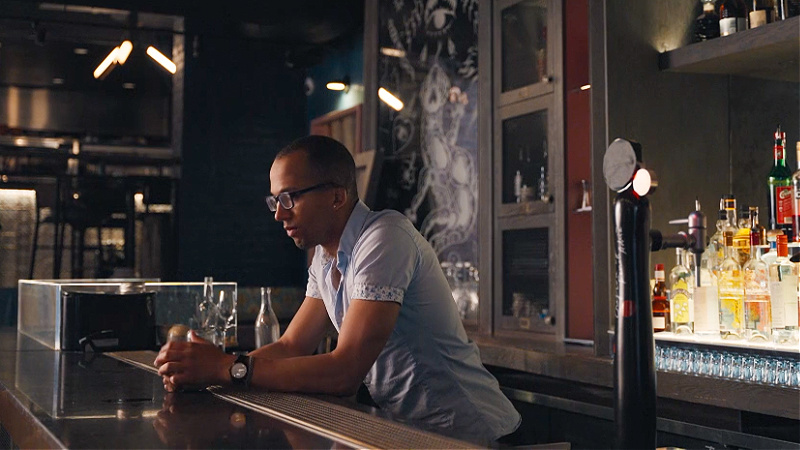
pixel 325 373
pixel 277 350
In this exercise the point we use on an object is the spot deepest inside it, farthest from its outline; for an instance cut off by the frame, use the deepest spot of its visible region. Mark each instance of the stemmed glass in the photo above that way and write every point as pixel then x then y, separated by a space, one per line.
pixel 228 322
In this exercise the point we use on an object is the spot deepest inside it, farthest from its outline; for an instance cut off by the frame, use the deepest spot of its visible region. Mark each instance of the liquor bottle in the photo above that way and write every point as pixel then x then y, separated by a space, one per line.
pixel 681 288
pixel 780 189
pixel 267 328
pixel 715 252
pixel 730 288
pixel 757 227
pixel 796 199
pixel 783 289
pixel 706 25
pixel 771 254
pixel 207 314
pixel 757 321
pixel 741 239
pixel 660 302
pixel 732 224
pixel 762 12
pixel 705 299
pixel 732 17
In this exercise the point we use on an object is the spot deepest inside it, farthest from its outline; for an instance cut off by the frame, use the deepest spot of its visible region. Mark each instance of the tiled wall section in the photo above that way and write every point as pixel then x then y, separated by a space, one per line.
pixel 242 104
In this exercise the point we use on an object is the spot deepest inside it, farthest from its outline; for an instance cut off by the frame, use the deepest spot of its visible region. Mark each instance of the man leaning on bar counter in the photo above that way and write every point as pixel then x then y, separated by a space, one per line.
pixel 380 283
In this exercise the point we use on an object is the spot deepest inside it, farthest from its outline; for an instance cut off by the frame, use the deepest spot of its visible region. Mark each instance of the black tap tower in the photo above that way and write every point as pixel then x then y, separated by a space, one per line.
pixel 634 360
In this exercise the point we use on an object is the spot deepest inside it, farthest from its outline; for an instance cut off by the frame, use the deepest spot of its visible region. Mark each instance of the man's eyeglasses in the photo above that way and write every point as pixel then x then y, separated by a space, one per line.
pixel 286 199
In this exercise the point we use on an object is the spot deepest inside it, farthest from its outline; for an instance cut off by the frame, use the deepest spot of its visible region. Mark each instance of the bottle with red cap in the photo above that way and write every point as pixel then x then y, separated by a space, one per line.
pixel 783 277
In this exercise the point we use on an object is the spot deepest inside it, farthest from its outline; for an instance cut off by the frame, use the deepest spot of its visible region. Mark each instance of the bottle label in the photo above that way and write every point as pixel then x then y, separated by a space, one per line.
pixel 706 307
pixel 680 311
pixel 783 205
pixel 659 323
pixel 727 26
pixel 777 152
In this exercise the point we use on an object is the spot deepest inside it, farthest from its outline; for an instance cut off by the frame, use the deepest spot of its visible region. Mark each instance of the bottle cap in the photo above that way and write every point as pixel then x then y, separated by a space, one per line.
pixel 782 244
pixel 659 267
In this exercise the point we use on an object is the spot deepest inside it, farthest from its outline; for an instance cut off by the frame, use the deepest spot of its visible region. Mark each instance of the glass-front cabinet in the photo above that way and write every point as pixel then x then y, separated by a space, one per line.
pixel 528 168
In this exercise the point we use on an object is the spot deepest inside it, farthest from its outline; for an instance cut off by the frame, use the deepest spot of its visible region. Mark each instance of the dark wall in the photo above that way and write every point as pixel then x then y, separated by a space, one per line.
pixel 241 105
pixel 345 59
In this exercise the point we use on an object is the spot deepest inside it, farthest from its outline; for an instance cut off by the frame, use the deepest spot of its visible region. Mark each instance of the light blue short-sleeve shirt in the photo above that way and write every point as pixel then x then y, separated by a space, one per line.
pixel 429 373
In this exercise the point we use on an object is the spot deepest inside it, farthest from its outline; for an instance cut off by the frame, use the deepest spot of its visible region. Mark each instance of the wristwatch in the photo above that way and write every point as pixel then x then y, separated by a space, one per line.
pixel 240 370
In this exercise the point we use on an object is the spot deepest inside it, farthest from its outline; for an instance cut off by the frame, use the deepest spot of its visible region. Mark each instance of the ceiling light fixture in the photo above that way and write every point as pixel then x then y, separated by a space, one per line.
pixel 80 51
pixel 105 67
pixel 339 85
pixel 161 59
pixel 390 99
pixel 124 51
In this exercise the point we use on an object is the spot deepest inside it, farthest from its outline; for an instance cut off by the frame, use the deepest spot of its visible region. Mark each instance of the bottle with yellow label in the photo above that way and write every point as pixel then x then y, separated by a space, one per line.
pixel 681 308
pixel 730 287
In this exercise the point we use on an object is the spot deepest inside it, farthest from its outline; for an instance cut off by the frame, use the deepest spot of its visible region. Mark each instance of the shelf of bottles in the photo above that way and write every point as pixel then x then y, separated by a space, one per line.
pixel 741 320
pixel 741 38
pixel 526 304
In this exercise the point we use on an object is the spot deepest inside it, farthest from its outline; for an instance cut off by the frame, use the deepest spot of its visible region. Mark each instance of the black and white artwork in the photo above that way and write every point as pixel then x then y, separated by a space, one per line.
pixel 429 60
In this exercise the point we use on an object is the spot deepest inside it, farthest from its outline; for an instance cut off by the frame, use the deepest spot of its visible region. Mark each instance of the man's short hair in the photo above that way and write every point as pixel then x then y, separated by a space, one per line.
pixel 328 160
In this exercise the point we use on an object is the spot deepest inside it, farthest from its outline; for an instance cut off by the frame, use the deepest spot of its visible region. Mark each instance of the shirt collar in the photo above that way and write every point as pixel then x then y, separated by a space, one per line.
pixel 352 230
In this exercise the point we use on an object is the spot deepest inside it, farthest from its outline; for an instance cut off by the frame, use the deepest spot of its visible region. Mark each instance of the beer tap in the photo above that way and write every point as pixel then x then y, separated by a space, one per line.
pixel 634 359
pixel 694 240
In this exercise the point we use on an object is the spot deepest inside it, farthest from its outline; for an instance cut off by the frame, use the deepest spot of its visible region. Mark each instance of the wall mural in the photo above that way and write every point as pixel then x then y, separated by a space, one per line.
pixel 429 59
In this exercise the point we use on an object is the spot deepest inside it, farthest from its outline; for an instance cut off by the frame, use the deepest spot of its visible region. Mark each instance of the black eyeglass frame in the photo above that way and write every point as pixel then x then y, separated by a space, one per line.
pixel 288 196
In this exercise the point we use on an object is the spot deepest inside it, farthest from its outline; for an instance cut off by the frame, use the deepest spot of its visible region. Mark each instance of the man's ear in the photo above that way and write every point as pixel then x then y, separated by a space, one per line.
pixel 340 197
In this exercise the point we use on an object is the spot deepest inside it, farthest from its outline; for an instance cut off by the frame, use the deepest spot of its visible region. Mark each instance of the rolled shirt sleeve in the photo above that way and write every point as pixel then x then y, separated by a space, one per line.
pixel 383 264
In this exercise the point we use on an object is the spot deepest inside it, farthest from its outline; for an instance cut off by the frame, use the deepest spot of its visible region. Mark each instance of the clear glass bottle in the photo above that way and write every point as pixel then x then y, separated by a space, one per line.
pixel 660 302
pixel 715 252
pixel 267 328
pixel 207 314
pixel 783 277
pixel 681 289
pixel 741 239
pixel 706 300
pixel 730 289
pixel 757 321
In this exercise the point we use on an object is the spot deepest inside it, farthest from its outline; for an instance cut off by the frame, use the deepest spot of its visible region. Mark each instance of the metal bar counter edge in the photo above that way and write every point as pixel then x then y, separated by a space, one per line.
pixel 52 399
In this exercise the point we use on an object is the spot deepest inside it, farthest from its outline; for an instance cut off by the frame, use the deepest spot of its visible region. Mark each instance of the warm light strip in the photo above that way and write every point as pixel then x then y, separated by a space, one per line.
pixel 393 52
pixel 161 59
pixel 390 99
pixel 124 51
pixel 586 87
pixel 336 86
pixel 110 59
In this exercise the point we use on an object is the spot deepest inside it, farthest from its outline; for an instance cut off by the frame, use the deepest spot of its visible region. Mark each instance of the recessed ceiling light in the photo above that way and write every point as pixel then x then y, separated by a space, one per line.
pixel 58 81
pixel 129 85
pixel 81 51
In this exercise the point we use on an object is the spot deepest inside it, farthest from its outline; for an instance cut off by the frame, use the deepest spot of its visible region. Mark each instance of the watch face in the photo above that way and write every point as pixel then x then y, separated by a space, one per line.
pixel 238 370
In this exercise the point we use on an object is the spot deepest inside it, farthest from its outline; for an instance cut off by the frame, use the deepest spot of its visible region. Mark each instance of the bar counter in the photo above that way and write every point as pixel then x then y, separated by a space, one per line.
pixel 51 399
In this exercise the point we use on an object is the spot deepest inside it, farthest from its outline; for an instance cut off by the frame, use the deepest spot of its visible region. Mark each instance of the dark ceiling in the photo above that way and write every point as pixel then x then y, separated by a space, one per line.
pixel 38 39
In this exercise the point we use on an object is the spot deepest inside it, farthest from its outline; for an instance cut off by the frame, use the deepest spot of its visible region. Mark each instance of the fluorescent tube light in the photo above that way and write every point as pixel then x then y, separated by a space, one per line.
pixel 161 59
pixel 336 86
pixel 124 51
pixel 105 67
pixel 390 99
